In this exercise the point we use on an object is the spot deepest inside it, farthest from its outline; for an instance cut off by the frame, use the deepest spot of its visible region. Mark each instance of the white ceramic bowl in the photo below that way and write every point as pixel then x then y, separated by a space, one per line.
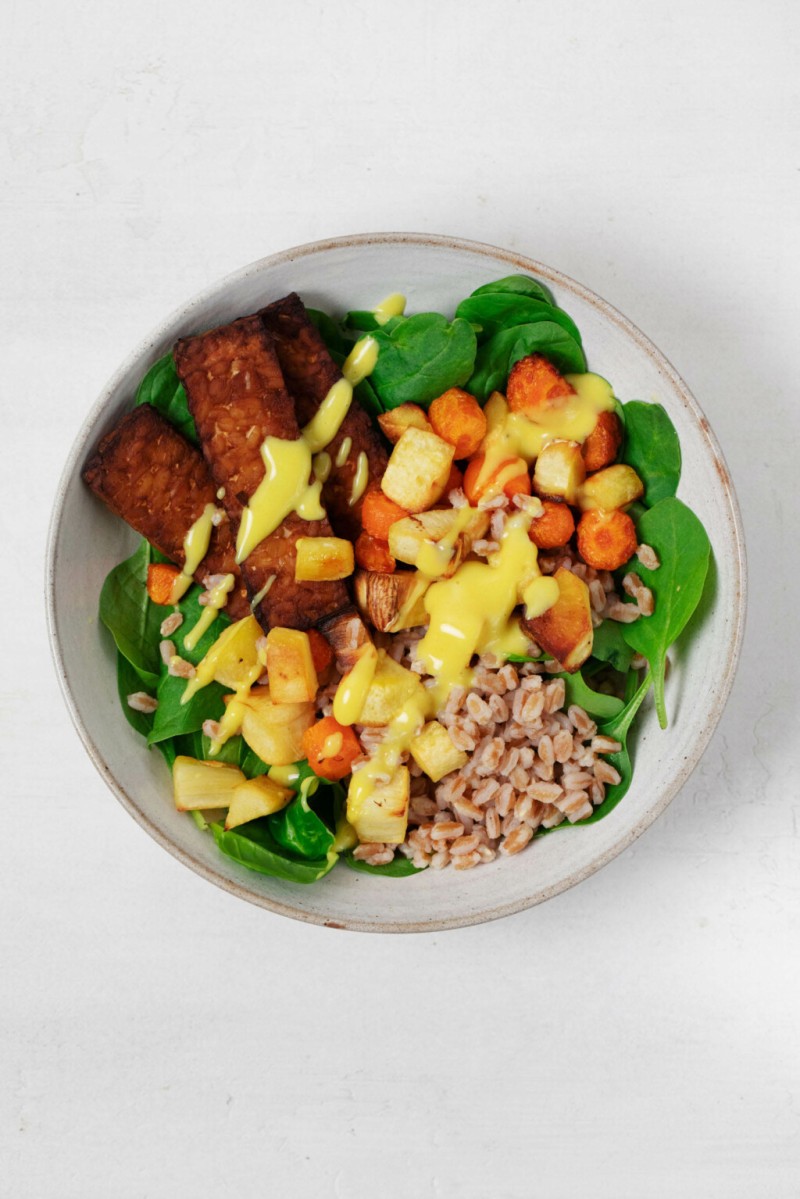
pixel 86 541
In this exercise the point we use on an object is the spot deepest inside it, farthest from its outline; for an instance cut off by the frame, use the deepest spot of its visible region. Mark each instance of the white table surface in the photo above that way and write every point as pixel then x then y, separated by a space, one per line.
pixel 637 1036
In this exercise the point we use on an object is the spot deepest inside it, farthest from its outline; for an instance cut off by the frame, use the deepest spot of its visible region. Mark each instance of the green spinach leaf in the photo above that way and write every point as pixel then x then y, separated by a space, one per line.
pixel 609 645
pixel 618 728
pixel 496 357
pixel 521 285
pixel 162 388
pixel 300 830
pixel 683 548
pixel 329 331
pixel 128 682
pixel 494 311
pixel 399 867
pixel 598 705
pixel 253 845
pixel 652 449
pixel 421 357
pixel 129 615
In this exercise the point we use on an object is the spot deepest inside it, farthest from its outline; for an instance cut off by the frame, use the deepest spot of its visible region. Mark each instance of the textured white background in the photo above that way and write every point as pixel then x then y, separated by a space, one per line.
pixel 637 1036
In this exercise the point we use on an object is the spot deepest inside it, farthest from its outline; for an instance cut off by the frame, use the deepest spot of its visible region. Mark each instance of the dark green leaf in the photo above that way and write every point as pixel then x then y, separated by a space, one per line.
pixel 133 621
pixel 598 705
pixel 619 728
pixel 421 357
pixel 365 322
pixel 683 549
pixel 300 830
pixel 652 449
pixel 494 311
pixel 128 682
pixel 399 867
pixel 329 331
pixel 496 357
pixel 521 285
pixel 162 388
pixel 610 646
pixel 253 845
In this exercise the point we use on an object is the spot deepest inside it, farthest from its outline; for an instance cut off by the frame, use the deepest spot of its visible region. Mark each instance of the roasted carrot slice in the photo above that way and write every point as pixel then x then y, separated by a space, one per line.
pixel 602 445
pixel 535 385
pixel 379 513
pixel 331 748
pixel 554 528
pixel 606 540
pixel 160 578
pixel 321 652
pixel 458 418
pixel 373 554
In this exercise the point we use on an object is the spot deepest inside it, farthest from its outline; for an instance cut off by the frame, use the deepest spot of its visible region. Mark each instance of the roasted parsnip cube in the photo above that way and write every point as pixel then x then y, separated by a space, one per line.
pixel 418 470
pixel 391 686
pixel 200 786
pixel 256 797
pixel 434 752
pixel 407 416
pixel 614 487
pixel 290 667
pixel 409 535
pixel 322 559
pixel 380 813
pixel 565 630
pixel 275 731
pixel 391 601
pixel 559 472
pixel 232 660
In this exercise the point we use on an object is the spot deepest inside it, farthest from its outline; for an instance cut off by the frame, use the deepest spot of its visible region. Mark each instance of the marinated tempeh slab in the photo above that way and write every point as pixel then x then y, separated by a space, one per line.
pixel 150 475
pixel 310 372
pixel 237 397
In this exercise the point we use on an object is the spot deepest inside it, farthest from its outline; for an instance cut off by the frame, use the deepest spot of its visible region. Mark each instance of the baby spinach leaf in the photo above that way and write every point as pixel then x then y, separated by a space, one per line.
pixel 652 449
pixel 683 548
pixel 299 829
pixel 162 388
pixel 494 311
pixel 363 321
pixel 399 867
pixel 618 728
pixel 129 615
pixel 191 610
pixel 364 392
pixel 421 357
pixel 610 646
pixel 173 719
pixel 598 705
pixel 253 845
pixel 329 331
pixel 496 357
pixel 521 285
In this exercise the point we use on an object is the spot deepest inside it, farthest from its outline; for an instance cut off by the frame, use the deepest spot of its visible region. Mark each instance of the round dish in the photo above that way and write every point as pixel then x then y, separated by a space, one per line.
pixel 85 541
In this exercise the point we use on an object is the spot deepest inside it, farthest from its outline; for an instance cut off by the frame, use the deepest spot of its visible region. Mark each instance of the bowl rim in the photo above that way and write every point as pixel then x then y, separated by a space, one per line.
pixel 519 262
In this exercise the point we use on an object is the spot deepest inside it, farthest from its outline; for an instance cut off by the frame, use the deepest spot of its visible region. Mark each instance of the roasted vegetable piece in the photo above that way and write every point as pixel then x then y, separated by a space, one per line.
pixel 614 487
pixel 606 540
pixel 434 752
pixel 480 484
pixel 408 536
pixel 554 528
pixel 458 418
pixel 161 578
pixel 391 686
pixel 565 630
pixel 406 416
pixel 534 385
pixel 602 445
pixel 290 667
pixel 382 815
pixel 150 475
pixel 331 748
pixel 237 397
pixel 379 514
pixel 373 554
pixel 418 470
pixel 254 798
pixel 323 558
pixel 391 602
pixel 559 471
pixel 275 731
pixel 310 372
pixel 198 786
pixel 321 652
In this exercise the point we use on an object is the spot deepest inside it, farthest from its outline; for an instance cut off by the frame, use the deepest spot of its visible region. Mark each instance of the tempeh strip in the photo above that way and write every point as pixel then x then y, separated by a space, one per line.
pixel 150 475
pixel 237 397
pixel 310 372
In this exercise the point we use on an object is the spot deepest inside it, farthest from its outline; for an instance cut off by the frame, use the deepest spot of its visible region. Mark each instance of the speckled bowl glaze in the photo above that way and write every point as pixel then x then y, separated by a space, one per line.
pixel 86 541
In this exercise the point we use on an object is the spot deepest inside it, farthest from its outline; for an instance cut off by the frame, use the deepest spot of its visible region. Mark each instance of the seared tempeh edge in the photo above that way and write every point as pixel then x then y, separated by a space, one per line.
pixel 310 372
pixel 237 397
pixel 150 475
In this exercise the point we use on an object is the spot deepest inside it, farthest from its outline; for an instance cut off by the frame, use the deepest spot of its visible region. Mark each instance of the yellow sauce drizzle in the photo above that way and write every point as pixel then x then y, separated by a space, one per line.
pixel 217 598
pixel 360 479
pixel 287 776
pixel 195 548
pixel 326 422
pixel 435 556
pixel 260 595
pixel 332 745
pixel 361 360
pixel 322 466
pixel 352 690
pixel 344 451
pixel 393 305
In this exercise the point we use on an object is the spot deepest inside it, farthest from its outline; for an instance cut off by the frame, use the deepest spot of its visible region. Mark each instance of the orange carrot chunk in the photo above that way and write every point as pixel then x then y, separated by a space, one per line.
pixel 602 445
pixel 554 528
pixel 321 651
pixel 606 540
pixel 331 748
pixel 458 418
pixel 160 578
pixel 535 385
pixel 379 513
pixel 372 553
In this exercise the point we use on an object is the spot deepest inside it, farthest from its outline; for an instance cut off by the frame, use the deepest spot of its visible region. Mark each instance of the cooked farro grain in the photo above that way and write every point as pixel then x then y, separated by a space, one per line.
pixel 179 668
pixel 170 624
pixel 140 701
pixel 648 557
pixel 167 651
